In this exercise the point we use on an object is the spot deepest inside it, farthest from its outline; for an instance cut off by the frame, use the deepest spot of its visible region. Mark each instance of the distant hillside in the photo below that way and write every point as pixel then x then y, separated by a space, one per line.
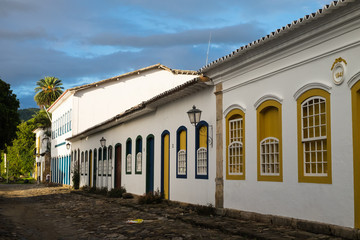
pixel 27 113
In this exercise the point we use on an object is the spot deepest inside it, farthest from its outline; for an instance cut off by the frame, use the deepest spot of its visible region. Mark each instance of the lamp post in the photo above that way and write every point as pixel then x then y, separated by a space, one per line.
pixel 68 146
pixel 194 115
pixel 103 142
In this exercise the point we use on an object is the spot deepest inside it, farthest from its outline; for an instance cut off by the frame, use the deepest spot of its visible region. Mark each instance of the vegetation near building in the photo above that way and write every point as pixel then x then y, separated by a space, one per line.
pixel 47 91
pixel 27 113
pixel 9 117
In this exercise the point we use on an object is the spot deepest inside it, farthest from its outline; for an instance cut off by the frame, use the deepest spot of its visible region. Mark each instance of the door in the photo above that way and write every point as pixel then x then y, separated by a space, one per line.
pixel 90 168
pixel 94 169
pixel 150 163
pixel 355 98
pixel 117 178
pixel 165 156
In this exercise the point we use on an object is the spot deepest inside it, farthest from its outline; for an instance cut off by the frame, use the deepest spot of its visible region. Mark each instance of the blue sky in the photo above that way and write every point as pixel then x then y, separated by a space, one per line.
pixel 82 41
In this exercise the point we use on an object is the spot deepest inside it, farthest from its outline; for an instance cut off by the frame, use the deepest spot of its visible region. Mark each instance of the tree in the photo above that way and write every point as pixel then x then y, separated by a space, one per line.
pixel 9 116
pixel 47 91
pixel 21 154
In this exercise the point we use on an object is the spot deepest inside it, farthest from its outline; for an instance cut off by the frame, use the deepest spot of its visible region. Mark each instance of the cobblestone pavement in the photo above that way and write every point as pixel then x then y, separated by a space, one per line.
pixel 39 212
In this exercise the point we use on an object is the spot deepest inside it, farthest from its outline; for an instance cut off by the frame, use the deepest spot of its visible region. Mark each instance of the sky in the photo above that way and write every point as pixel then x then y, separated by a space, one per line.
pixel 83 41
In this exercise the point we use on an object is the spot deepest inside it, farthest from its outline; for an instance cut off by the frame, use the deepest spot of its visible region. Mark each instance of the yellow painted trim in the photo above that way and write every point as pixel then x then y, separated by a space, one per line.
pixel 355 100
pixel 183 140
pixel 232 115
pixel 276 133
pixel 166 165
pixel 313 179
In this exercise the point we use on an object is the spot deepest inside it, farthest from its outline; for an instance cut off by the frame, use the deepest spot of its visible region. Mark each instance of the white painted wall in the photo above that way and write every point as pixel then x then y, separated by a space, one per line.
pixel 328 203
pixel 97 104
pixel 169 117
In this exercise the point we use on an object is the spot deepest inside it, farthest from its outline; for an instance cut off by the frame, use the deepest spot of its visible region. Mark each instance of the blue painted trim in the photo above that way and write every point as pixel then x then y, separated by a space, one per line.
pixel 138 148
pixel 166 132
pixel 128 151
pixel 60 144
pixel 179 130
pixel 197 141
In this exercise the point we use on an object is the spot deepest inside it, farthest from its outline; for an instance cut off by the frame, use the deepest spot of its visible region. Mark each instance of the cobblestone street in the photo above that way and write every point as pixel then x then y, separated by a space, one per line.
pixel 39 212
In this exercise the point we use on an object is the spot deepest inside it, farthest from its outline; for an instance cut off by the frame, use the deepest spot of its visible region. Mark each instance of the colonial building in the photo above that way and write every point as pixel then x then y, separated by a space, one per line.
pixel 80 108
pixel 288 110
pixel 42 154
pixel 278 133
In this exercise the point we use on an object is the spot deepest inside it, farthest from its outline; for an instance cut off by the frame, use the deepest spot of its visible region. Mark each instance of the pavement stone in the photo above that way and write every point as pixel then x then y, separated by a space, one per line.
pixel 81 215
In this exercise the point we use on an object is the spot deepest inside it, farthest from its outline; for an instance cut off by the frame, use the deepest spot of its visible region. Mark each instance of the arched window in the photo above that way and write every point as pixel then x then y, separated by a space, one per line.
pixel 100 168
pixel 269 137
pixel 105 162
pixel 201 162
pixel 110 159
pixel 86 163
pixel 128 156
pixel 181 142
pixel 235 145
pixel 138 150
pixel 82 163
pixel 314 160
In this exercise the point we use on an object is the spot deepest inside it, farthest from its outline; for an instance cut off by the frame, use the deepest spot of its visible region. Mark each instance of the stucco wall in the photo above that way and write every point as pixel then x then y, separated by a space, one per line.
pixel 168 117
pixel 329 203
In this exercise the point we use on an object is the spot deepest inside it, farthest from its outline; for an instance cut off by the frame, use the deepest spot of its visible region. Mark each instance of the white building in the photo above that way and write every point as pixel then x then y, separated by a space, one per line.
pixel 285 113
pixel 82 107
pixel 42 154
pixel 290 120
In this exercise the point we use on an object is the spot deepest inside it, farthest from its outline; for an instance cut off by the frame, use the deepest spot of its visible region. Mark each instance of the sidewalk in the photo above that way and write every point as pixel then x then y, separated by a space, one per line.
pixel 232 226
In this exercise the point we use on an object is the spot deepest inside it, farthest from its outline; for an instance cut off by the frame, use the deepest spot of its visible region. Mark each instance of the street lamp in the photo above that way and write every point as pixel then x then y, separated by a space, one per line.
pixel 103 142
pixel 68 146
pixel 194 115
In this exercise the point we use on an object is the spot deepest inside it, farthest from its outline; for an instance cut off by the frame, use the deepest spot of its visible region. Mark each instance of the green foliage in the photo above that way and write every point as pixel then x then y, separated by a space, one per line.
pixel 76 179
pixel 151 197
pixel 41 119
pixel 20 155
pixel 9 117
pixel 27 113
pixel 116 193
pixel 47 91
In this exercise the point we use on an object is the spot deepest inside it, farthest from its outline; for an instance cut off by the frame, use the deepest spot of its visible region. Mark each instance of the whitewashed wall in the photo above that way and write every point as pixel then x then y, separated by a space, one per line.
pixel 97 104
pixel 169 117
pixel 282 75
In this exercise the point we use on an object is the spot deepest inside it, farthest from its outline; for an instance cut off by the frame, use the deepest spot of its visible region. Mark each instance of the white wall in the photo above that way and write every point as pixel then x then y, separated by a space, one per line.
pixel 98 104
pixel 329 203
pixel 169 117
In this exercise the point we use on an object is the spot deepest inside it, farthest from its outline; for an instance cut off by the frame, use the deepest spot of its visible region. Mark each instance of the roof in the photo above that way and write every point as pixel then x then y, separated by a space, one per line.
pixel 327 9
pixel 136 72
pixel 150 105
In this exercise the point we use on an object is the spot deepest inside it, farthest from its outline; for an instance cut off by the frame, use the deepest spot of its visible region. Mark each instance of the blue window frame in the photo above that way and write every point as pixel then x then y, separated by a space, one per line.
pixel 128 160
pixel 202 150
pixel 181 152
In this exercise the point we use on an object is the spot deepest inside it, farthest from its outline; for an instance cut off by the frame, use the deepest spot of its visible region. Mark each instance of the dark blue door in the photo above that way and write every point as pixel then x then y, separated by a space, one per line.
pixel 150 163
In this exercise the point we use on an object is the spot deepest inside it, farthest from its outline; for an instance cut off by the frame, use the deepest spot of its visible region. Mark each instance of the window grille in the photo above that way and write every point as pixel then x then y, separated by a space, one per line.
pixel 182 162
pixel 235 148
pixel 314 139
pixel 202 161
pixel 269 155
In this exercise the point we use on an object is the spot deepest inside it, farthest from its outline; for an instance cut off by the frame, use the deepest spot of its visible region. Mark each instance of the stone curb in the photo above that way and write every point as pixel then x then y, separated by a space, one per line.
pixel 271 220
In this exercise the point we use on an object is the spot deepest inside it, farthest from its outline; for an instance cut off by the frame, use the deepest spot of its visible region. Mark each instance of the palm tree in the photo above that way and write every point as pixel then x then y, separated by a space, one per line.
pixel 47 91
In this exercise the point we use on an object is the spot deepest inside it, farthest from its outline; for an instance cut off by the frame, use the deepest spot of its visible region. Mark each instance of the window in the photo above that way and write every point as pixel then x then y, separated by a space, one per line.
pixel 86 163
pixel 70 119
pixel 138 162
pixel 201 162
pixel 314 159
pixel 235 145
pixel 128 156
pixel 105 162
pixel 269 141
pixel 82 163
pixel 110 154
pixel 100 165
pixel 181 163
